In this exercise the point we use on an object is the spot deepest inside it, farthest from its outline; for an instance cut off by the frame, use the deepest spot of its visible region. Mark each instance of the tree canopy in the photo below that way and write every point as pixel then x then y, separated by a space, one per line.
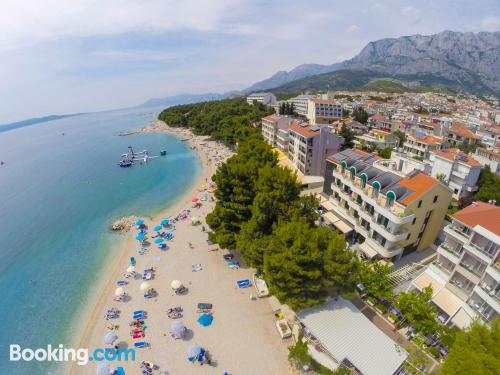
pixel 385 153
pixel 414 306
pixel 475 351
pixel 488 186
pixel 375 279
pixel 360 115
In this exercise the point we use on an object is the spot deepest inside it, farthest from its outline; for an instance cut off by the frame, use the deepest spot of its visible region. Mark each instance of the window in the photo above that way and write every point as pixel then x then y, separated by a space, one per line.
pixel 435 199
pixel 414 221
pixel 419 204
pixel 408 236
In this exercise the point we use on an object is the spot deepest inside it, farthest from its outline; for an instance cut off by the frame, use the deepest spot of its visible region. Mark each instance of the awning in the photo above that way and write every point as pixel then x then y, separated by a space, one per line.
pixel 369 251
pixel 331 217
pixel 321 198
pixel 425 279
pixel 447 301
pixel 462 319
pixel 327 205
pixel 343 227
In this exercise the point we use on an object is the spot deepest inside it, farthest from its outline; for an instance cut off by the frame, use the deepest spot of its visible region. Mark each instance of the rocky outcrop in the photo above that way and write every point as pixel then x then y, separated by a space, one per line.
pixel 124 224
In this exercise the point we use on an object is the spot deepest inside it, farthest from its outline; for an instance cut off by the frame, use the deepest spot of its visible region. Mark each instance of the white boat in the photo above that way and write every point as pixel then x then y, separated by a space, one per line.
pixel 260 286
pixel 283 328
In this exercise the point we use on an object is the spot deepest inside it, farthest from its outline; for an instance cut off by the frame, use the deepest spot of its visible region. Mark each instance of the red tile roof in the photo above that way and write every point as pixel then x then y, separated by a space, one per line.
pixel 304 130
pixel 429 139
pixel 454 153
pixel 480 213
pixel 419 184
pixel 272 118
pixel 462 131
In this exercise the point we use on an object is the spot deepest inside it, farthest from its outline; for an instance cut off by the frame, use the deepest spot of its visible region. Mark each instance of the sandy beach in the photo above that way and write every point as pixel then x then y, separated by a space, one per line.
pixel 242 338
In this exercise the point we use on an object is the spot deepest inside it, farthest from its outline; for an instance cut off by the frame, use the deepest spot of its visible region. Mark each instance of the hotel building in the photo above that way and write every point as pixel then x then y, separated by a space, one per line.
pixel 321 111
pixel 271 125
pixel 376 138
pixel 266 98
pixel 308 146
pixel 393 214
pixel 421 145
pixel 465 277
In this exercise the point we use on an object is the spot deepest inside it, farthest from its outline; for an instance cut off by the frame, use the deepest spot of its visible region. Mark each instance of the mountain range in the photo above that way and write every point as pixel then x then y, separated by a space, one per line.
pixel 468 62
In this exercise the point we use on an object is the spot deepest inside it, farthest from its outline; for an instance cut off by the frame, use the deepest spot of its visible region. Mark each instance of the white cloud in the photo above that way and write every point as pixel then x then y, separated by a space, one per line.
pixel 412 14
pixel 30 21
pixel 352 29
pixel 491 23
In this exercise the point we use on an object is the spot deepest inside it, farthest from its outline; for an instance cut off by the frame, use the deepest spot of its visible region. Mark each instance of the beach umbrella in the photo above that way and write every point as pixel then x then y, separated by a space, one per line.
pixel 165 222
pixel 110 338
pixel 176 284
pixel 145 286
pixel 119 291
pixel 194 200
pixel 193 352
pixel 103 369
pixel 159 240
pixel 158 228
pixel 205 320
pixel 139 222
pixel 130 269
pixel 140 237
pixel 178 328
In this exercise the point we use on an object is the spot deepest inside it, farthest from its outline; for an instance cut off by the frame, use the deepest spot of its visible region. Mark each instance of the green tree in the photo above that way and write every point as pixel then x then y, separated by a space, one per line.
pixel 475 351
pixel 488 186
pixel 385 153
pixel 360 115
pixel 375 278
pixel 401 136
pixel 415 308
pixel 348 136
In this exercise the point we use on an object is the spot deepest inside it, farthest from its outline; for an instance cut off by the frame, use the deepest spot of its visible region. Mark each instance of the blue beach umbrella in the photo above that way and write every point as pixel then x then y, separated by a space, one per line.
pixel 140 237
pixel 165 222
pixel 139 222
pixel 159 240
pixel 193 352
pixel 205 320
pixel 158 228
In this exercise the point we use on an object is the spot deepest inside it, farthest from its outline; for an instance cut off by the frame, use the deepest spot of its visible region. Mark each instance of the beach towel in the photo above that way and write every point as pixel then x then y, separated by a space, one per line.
pixel 197 267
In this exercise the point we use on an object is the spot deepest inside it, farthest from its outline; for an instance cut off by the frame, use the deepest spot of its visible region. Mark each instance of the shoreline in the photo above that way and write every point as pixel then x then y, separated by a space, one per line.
pixel 243 332
pixel 85 321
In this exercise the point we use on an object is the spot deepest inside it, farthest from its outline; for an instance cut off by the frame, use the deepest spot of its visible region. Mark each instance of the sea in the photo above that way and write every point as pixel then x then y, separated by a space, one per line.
pixel 60 189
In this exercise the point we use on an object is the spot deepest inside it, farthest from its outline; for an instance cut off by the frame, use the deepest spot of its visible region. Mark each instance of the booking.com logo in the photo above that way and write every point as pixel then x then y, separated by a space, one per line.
pixel 61 354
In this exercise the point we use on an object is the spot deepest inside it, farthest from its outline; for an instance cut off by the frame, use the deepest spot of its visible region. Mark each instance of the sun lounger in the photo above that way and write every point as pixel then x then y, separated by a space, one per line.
pixel 204 307
pixel 140 344
pixel 228 256
pixel 138 335
pixel 245 283
pixel 121 282
pixel 233 265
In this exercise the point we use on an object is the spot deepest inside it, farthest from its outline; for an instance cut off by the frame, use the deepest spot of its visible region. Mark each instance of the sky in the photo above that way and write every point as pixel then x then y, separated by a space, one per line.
pixel 61 57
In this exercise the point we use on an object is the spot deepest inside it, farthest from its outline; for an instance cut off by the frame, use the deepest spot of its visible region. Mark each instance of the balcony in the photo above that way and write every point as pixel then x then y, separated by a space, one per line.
pixel 488 291
pixel 494 271
pixel 448 253
pixel 478 252
pixel 456 233
pixel 482 307
pixel 457 287
pixel 467 273
pixel 441 270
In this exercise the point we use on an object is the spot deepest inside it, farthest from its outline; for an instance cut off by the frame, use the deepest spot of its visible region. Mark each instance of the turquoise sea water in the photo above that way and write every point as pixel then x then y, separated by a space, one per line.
pixel 58 195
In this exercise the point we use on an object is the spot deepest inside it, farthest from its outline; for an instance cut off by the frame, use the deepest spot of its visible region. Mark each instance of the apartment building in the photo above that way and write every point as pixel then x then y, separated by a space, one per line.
pixel 376 138
pixel 459 134
pixel 460 171
pixel 266 98
pixel 308 146
pixel 465 276
pixel 382 122
pixel 421 145
pixel 490 158
pixel 321 111
pixel 301 103
pixel 391 213
pixel 270 126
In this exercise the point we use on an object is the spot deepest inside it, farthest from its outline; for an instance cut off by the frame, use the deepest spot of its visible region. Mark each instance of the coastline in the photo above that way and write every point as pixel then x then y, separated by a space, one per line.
pixel 106 280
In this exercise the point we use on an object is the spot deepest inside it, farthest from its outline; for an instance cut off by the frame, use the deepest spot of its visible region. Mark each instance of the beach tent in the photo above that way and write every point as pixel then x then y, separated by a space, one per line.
pixel 159 240
pixel 165 222
pixel 139 222
pixel 178 329
pixel 145 286
pixel 140 237
pixel 110 338
pixel 158 228
pixel 205 320
pixel 103 369
pixel 119 291
pixel 193 352
pixel 176 284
